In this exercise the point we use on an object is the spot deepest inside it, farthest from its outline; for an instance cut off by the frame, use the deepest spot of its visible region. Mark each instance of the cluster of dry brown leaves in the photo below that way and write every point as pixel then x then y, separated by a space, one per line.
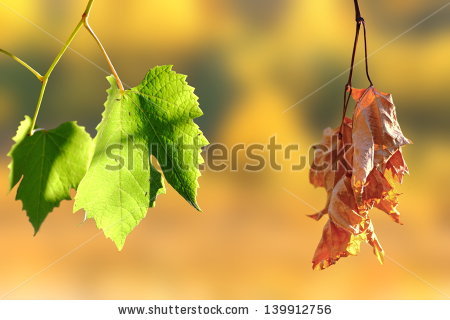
pixel 358 169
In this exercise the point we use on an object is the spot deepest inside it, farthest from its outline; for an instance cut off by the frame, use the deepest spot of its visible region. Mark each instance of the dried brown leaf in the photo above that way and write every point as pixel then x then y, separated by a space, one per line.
pixel 376 134
pixel 376 163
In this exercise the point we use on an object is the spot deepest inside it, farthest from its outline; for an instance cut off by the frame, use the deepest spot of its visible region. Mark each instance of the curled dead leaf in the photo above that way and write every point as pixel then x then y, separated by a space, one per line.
pixel 396 164
pixel 334 244
pixel 376 134
pixel 358 171
pixel 346 228
pixel 332 159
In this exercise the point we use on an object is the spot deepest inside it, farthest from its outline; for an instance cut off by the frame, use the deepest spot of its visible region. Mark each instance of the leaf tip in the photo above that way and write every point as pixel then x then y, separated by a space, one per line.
pixel 196 206
pixel 119 245
pixel 317 216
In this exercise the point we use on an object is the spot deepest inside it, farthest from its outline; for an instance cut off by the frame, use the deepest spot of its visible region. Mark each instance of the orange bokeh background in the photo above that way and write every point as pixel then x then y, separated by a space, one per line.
pixel 249 61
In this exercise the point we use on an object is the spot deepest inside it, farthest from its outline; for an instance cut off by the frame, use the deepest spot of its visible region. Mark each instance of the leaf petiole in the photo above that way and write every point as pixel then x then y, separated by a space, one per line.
pixel 105 54
pixel 23 63
pixel 348 86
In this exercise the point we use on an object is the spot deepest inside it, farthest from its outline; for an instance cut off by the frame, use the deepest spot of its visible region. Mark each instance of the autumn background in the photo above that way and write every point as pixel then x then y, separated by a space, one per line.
pixel 249 61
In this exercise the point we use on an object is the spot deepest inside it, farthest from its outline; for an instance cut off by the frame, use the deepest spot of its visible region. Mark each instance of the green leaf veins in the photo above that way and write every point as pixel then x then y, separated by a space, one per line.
pixel 154 119
pixel 48 164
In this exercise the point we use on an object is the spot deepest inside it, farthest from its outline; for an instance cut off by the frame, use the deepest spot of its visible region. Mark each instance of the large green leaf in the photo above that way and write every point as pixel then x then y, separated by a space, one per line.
pixel 152 119
pixel 50 163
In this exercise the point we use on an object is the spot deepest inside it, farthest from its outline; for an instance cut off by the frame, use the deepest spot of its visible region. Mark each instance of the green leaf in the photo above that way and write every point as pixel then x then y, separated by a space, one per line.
pixel 156 185
pixel 152 119
pixel 50 163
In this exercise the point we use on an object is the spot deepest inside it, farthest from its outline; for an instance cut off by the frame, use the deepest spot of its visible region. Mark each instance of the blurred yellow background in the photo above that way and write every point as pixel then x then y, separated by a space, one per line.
pixel 249 61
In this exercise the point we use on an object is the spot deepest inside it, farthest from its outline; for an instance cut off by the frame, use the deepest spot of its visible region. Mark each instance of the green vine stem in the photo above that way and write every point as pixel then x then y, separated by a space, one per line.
pixel 23 63
pixel 83 22
pixel 49 72
pixel 44 79
pixel 105 54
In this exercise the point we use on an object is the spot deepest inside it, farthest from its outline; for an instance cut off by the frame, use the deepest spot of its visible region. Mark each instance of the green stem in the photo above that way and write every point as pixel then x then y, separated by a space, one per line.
pixel 44 79
pixel 38 105
pixel 23 63
pixel 55 62
pixel 49 72
pixel 100 45
pixel 88 7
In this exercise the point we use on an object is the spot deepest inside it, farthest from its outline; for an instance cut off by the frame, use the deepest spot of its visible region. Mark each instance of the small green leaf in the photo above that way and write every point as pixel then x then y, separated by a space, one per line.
pixel 51 163
pixel 154 118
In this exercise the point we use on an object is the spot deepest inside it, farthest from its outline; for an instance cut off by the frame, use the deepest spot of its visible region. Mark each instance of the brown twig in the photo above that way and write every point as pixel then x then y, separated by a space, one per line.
pixel 348 86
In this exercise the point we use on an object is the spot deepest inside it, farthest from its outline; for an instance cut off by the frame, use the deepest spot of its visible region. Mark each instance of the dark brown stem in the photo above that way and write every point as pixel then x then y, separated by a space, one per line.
pixel 348 86
pixel 365 54
pixel 357 12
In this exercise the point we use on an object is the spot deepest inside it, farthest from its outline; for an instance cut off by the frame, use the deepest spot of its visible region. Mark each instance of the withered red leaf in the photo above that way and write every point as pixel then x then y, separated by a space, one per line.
pixel 346 228
pixel 333 245
pixel 389 205
pixel 343 209
pixel 376 187
pixel 327 168
pixel 371 143
pixel 396 164
pixel 376 134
